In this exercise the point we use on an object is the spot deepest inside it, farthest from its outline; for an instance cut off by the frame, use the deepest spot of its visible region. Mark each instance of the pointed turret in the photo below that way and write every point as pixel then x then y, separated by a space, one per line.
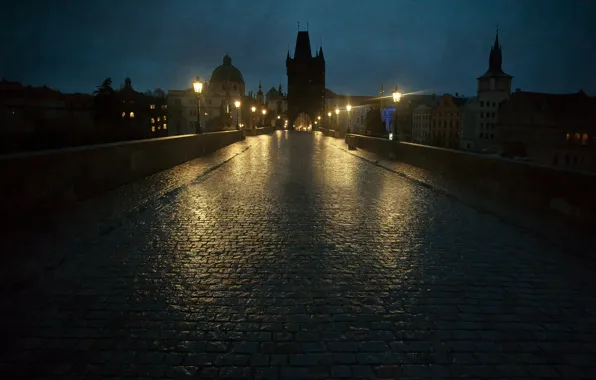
pixel 495 59
pixel 279 88
pixel 321 56
pixel 303 50
pixel 495 79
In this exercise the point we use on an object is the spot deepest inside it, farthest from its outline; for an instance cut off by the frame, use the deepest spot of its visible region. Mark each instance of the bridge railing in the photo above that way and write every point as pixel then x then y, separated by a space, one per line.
pixel 523 184
pixel 51 179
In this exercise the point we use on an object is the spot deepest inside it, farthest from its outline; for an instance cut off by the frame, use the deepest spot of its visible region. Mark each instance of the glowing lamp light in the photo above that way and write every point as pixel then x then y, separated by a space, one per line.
pixel 349 108
pixel 391 136
pixel 329 114
pixel 197 85
pixel 318 117
pixel 337 111
pixel 396 95
pixel 264 112
pixel 278 117
pixel 253 108
pixel 237 103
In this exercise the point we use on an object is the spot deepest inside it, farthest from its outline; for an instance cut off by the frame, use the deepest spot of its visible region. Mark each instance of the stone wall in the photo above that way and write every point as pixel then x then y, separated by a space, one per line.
pixel 49 180
pixel 520 183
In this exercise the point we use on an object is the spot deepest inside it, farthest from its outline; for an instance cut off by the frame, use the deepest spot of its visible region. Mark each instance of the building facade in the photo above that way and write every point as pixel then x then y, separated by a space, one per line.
pixel 446 122
pixel 550 129
pixel 421 124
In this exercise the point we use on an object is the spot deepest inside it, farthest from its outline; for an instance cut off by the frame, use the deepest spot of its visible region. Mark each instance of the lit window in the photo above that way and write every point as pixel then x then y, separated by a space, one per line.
pixel 165 126
pixel 132 115
pixel 152 106
pixel 159 127
pixel 153 128
pixel 123 114
pixel 585 139
pixel 152 120
pixel 164 117
pixel 164 106
pixel 158 119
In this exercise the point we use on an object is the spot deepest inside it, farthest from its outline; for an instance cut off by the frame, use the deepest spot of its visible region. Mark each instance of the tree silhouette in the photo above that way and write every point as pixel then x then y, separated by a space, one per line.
pixel 105 88
pixel 373 122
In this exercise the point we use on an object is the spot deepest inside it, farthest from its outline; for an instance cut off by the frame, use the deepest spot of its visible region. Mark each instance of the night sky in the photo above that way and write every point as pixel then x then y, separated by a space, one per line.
pixel 438 46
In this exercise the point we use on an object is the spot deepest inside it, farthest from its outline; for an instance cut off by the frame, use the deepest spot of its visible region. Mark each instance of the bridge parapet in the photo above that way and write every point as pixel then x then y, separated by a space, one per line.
pixel 524 184
pixel 55 178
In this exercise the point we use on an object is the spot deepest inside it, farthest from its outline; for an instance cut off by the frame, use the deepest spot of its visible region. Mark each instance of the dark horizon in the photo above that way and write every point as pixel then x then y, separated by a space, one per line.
pixel 439 48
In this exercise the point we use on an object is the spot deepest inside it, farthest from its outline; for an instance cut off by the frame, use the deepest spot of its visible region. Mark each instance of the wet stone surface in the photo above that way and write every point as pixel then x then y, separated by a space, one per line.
pixel 298 260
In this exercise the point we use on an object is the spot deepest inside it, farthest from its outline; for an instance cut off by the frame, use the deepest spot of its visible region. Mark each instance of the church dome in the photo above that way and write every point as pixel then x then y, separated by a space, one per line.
pixel 226 72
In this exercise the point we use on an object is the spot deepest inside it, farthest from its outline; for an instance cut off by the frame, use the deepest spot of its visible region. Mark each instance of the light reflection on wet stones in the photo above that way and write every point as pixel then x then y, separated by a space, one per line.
pixel 297 259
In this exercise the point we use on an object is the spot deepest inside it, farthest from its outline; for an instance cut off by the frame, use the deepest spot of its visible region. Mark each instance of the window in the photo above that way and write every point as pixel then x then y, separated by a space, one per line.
pixel 209 101
pixel 152 120
pixel 124 115
pixel 164 117
pixel 158 119
pixel 152 106
pixel 153 128
pixel 481 105
pixel 585 139
pixel 165 126
pixel 574 160
pixel 164 106
pixel 493 115
pixel 494 104
pixel 132 115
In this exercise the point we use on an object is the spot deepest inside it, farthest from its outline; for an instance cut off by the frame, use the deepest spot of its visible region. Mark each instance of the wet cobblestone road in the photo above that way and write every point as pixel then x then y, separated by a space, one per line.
pixel 297 260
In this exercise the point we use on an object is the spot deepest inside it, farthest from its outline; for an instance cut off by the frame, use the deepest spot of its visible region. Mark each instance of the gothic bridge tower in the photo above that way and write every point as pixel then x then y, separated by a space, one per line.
pixel 306 80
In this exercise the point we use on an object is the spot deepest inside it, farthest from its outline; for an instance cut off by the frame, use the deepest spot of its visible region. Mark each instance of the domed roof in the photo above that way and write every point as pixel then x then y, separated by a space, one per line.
pixel 226 72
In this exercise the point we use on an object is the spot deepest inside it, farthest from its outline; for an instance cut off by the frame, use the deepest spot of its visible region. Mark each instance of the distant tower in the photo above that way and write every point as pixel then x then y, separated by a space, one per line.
pixel 495 79
pixel 260 96
pixel 306 80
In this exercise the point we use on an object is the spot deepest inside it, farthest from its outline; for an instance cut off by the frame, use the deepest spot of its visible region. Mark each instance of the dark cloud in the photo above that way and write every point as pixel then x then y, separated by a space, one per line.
pixel 441 46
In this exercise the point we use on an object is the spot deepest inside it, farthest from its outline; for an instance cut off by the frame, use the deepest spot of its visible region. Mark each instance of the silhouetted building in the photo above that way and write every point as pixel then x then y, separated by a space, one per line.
pixel 306 80
pixel 277 102
pixel 34 118
pixel 421 121
pixel 446 122
pixel 127 114
pixel 480 114
pixel 550 129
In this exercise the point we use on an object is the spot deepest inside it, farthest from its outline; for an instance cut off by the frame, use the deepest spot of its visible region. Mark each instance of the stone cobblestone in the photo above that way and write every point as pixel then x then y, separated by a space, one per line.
pixel 296 260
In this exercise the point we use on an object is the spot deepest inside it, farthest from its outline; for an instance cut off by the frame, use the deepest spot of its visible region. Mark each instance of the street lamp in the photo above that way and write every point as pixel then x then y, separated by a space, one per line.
pixel 252 119
pixel 348 108
pixel 396 98
pixel 198 87
pixel 264 112
pixel 237 104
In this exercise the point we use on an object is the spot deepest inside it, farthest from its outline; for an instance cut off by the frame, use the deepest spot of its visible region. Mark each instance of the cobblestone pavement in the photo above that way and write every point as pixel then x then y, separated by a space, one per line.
pixel 297 260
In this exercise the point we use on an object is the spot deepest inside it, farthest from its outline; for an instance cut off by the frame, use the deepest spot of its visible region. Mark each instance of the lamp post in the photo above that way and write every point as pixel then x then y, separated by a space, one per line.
pixel 349 108
pixel 329 114
pixel 237 104
pixel 337 113
pixel 198 87
pixel 252 119
pixel 264 112
pixel 396 98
